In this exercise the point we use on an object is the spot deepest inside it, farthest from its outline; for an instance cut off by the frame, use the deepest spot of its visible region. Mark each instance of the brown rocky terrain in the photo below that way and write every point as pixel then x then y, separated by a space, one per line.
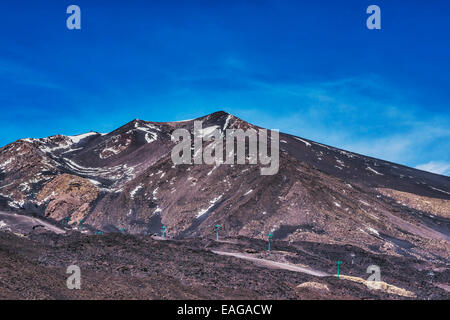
pixel 68 194
pixel 116 266
pixel 434 206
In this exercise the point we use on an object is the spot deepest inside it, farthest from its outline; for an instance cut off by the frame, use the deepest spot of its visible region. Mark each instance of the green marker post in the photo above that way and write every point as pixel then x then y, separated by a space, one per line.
pixel 163 231
pixel 338 263
pixel 270 239
pixel 65 221
pixel 217 226
pixel 80 224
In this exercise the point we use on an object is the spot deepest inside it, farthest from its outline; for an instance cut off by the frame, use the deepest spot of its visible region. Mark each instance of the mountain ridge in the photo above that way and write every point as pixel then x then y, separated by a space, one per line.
pixel 125 180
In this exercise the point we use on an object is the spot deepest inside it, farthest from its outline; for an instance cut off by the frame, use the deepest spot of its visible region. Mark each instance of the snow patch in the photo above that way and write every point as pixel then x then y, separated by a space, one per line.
pixel 4 164
pixel 372 230
pixel 206 132
pixel 181 121
pixel 135 190
pixel 153 137
pixel 157 210
pixel 16 204
pixel 348 154
pixel 227 121
pixel 341 163
pixel 94 182
pixel 78 138
pixel 4 226
pixel 212 203
pixel 439 190
pixel 116 149
pixel 374 171
pixel 154 193
pixel 211 171
pixel 305 142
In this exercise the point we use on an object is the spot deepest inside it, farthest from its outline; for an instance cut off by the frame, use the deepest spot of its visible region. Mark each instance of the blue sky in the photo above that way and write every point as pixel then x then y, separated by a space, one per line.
pixel 309 68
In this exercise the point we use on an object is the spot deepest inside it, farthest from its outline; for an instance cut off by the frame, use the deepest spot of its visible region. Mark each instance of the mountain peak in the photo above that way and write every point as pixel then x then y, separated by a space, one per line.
pixel 127 180
pixel 220 113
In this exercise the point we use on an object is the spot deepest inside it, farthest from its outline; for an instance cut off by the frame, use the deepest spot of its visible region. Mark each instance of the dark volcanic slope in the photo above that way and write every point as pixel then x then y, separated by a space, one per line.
pixel 126 179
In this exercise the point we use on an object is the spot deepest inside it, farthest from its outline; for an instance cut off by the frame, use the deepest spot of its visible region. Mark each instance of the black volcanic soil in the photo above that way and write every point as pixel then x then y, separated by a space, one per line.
pixel 118 266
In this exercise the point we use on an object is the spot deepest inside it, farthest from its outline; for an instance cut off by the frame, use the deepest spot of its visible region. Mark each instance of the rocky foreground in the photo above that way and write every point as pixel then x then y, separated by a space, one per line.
pixel 118 266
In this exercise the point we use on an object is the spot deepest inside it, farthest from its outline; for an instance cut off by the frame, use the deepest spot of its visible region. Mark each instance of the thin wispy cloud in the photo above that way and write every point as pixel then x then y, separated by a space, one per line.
pixel 362 114
pixel 436 167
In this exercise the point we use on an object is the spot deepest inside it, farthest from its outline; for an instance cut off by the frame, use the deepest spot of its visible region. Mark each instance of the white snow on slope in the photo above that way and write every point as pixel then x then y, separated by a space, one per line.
pixel 16 204
pixel 152 126
pixel 154 193
pixel 88 170
pixel 227 121
pixel 72 150
pixel 146 128
pixel 61 146
pixel 374 171
pixel 68 142
pixel 206 132
pixel 372 230
pixel 157 210
pixel 135 190
pixel 181 121
pixel 439 190
pixel 4 164
pixel 348 154
pixel 78 138
pixel 305 142
pixel 211 171
pixel 94 182
pixel 153 137
pixel 340 162
pixel 113 150
pixel 115 173
pixel 212 202
pixel 117 147
pixel 364 203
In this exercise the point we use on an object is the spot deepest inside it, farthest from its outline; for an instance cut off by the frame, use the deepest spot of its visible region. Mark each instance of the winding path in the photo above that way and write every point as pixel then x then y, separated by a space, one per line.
pixel 274 264
pixel 21 223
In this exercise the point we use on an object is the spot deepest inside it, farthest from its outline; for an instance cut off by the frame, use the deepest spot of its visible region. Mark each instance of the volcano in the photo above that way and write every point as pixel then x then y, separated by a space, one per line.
pixel 124 182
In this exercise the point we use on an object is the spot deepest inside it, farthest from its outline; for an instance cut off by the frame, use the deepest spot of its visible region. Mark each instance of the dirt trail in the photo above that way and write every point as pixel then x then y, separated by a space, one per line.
pixel 273 264
pixel 268 263
pixel 24 224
